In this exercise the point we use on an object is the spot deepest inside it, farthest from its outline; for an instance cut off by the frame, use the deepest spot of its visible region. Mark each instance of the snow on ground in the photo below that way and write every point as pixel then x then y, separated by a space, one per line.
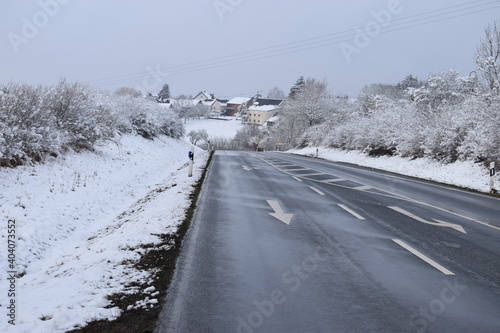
pixel 225 127
pixel 79 218
pixel 464 174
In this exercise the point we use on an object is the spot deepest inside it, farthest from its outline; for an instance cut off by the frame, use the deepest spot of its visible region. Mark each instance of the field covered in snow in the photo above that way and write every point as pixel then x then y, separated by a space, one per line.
pixel 79 219
pixel 225 127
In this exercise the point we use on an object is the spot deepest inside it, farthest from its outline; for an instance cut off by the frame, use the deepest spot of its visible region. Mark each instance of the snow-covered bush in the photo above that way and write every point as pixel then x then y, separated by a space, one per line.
pixel 448 118
pixel 38 121
pixel 25 127
pixel 144 117
pixel 77 114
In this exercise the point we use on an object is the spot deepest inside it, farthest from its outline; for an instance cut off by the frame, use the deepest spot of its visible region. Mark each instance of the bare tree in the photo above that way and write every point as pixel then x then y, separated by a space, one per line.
pixel 197 135
pixel 488 56
pixel 276 93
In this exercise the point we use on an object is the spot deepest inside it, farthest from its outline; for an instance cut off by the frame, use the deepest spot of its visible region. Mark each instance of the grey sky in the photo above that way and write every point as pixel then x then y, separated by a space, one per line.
pixel 114 43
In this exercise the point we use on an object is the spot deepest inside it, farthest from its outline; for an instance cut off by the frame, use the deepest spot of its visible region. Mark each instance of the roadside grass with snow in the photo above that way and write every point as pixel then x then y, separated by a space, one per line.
pixel 82 222
pixel 466 174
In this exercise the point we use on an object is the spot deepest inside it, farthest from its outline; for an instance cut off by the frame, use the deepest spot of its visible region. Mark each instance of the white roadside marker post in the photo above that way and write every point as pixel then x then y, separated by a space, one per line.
pixel 191 161
pixel 492 177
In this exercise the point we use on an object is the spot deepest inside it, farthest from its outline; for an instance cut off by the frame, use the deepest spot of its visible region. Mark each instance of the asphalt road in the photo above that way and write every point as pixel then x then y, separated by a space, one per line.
pixel 282 243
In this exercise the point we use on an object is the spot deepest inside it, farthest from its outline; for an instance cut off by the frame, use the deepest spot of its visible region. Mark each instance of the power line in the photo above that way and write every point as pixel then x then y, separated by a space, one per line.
pixel 398 24
pixel 249 56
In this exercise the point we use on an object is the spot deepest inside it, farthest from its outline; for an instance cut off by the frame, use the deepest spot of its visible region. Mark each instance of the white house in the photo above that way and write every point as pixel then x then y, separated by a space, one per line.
pixel 203 96
pixel 262 110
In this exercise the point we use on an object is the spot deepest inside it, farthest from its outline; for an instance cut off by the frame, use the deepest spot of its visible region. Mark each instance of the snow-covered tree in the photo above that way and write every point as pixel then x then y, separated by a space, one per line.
pixel 200 110
pixel 409 81
pixel 196 136
pixel 311 105
pixel 248 137
pixel 443 89
pixel 127 91
pixel 488 56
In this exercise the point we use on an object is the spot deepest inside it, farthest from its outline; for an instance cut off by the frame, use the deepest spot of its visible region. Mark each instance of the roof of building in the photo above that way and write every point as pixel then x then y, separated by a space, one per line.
pixel 268 101
pixel 263 107
pixel 239 100
pixel 210 102
pixel 204 94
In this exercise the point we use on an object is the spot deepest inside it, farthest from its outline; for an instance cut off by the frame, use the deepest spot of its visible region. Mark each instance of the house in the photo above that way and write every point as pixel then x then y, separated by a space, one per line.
pixel 169 103
pixel 236 104
pixel 223 105
pixel 233 105
pixel 262 110
pixel 203 96
pixel 214 107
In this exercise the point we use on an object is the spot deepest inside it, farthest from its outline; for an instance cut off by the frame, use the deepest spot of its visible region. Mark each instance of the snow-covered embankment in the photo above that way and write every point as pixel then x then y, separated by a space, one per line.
pixel 79 219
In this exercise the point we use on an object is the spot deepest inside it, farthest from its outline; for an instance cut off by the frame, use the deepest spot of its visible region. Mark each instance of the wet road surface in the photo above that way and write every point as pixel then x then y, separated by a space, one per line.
pixel 282 243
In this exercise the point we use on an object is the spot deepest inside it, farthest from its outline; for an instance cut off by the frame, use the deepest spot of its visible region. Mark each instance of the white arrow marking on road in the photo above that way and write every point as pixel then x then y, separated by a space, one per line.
pixel 279 213
pixel 437 223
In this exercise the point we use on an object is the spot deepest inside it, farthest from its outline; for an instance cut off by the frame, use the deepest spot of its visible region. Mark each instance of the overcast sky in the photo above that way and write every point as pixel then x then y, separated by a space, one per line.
pixel 238 47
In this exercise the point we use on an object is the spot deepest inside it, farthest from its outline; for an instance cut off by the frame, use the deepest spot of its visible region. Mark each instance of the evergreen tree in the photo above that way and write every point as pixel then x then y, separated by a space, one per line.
pixel 410 81
pixel 164 92
pixel 297 87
